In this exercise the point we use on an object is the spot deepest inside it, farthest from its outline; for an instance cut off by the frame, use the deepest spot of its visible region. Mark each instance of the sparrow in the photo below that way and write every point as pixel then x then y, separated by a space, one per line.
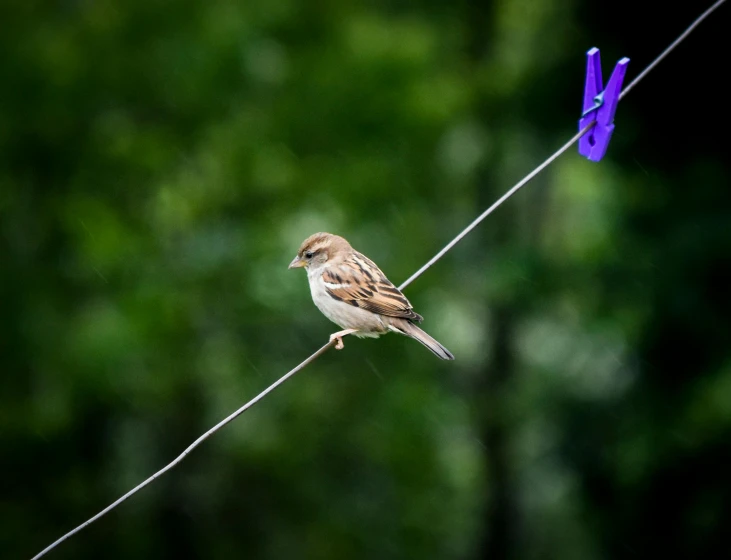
pixel 353 293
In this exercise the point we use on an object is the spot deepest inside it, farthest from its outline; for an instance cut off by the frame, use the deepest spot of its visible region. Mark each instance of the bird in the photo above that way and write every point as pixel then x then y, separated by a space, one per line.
pixel 351 291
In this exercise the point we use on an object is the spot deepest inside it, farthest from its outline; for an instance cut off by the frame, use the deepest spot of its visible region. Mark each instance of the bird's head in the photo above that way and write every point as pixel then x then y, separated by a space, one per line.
pixel 318 249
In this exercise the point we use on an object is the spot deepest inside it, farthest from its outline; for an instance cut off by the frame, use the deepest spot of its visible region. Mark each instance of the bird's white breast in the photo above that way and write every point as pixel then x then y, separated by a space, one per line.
pixel 343 314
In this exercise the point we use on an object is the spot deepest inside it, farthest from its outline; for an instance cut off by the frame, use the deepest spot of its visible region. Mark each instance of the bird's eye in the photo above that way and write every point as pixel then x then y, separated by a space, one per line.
pixel 308 255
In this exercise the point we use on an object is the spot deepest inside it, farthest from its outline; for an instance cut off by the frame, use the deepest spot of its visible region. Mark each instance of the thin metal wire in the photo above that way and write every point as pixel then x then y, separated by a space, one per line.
pixel 190 448
pixel 497 203
pixel 413 277
pixel 672 46
pixel 560 151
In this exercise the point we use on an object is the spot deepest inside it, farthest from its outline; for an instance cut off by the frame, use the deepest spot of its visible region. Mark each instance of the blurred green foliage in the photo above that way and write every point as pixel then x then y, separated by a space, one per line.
pixel 160 163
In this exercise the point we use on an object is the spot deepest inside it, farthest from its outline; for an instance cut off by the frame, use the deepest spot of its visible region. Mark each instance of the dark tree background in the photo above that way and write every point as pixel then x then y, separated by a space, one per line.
pixel 160 162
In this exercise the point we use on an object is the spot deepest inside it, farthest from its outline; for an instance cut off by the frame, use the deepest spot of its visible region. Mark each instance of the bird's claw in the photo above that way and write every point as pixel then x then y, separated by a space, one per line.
pixel 338 338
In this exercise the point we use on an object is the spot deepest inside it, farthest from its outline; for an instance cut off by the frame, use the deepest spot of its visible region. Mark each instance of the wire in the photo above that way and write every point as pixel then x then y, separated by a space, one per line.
pixel 190 448
pixel 672 46
pixel 560 151
pixel 413 277
pixel 497 203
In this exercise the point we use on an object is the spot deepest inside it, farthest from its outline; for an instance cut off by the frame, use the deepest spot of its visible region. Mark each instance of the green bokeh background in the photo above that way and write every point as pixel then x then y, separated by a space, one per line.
pixel 160 162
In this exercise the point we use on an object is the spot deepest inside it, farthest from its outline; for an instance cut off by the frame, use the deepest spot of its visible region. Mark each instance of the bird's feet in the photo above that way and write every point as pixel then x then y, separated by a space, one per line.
pixel 338 336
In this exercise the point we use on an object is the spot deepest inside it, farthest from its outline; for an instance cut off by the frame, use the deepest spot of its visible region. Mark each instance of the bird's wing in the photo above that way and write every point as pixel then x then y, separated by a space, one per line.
pixel 360 283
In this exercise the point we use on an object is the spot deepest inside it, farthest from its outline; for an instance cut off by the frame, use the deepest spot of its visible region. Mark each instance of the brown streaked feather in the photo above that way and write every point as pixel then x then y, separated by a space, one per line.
pixel 360 283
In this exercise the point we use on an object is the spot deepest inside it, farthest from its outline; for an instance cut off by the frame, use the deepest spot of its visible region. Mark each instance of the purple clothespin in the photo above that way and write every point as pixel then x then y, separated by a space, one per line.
pixel 600 105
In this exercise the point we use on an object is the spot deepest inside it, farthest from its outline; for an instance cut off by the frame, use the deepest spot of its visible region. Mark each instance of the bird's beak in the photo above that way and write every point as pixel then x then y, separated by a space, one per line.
pixel 296 263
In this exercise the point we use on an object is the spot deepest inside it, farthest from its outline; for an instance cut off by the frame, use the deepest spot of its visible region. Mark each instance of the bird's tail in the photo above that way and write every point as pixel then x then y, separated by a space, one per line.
pixel 411 330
